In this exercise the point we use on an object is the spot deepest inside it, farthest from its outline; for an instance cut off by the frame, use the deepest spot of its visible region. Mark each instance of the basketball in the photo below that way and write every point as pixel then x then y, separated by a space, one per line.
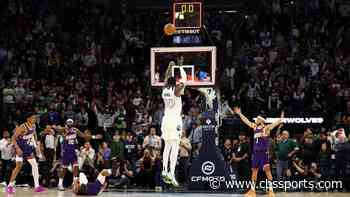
pixel 169 29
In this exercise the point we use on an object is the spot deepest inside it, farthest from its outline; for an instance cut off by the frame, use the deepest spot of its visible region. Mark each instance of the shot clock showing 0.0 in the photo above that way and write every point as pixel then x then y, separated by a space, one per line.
pixel 187 14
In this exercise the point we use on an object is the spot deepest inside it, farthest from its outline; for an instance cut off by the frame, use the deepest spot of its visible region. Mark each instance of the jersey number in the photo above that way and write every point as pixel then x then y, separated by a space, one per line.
pixel 71 142
pixel 169 103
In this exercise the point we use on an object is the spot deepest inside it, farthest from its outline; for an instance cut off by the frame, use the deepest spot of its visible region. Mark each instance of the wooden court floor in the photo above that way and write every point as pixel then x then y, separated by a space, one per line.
pixel 26 192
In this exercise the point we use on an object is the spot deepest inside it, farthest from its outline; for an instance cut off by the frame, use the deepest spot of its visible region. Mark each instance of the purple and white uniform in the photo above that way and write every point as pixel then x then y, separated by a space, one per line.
pixel 69 155
pixel 25 142
pixel 90 189
pixel 260 156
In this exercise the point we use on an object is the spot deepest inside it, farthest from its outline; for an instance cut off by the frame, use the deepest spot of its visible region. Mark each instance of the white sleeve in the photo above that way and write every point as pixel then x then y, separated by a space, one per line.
pixel 2 144
pixel 92 154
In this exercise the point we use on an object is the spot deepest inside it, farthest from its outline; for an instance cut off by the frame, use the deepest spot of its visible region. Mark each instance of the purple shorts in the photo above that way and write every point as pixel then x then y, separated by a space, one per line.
pixel 260 159
pixel 27 149
pixel 90 189
pixel 69 158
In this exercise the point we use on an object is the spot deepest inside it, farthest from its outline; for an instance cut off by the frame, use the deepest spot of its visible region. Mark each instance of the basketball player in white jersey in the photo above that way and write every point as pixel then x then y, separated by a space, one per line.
pixel 172 122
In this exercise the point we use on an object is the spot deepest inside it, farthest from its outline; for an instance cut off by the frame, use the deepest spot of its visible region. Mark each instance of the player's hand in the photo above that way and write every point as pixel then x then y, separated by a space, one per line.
pixel 280 126
pixel 237 110
pixel 282 114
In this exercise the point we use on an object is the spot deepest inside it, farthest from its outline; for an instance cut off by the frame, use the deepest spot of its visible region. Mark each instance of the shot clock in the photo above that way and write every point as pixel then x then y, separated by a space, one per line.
pixel 187 16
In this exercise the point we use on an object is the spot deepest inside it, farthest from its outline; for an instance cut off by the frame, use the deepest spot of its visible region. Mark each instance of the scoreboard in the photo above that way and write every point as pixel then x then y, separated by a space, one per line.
pixel 187 16
pixel 198 61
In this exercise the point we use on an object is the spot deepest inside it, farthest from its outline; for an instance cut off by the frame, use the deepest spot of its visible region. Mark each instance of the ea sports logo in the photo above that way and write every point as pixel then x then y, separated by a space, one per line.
pixel 208 168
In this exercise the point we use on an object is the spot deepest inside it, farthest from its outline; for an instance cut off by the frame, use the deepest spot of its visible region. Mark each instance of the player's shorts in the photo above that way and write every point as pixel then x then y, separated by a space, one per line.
pixel 69 157
pixel 90 189
pixel 27 149
pixel 260 159
pixel 171 128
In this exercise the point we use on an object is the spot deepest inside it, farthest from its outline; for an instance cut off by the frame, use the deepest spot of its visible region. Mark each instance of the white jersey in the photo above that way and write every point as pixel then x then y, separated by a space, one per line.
pixel 172 121
pixel 172 103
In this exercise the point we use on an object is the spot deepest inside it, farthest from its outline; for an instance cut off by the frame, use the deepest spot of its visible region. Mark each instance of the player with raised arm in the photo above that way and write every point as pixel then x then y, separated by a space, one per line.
pixel 260 157
pixel 69 146
pixel 25 143
pixel 172 121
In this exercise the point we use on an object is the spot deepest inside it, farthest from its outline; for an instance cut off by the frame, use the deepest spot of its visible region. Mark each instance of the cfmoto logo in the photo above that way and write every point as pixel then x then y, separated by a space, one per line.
pixel 208 121
pixel 208 168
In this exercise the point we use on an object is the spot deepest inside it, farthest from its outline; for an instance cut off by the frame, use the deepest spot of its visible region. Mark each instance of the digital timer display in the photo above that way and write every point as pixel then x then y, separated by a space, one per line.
pixel 187 15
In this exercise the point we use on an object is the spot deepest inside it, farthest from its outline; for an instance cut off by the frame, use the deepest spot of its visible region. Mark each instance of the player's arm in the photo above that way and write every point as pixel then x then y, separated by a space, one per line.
pixel 274 124
pixel 237 110
pixel 183 80
pixel 60 130
pixel 279 130
pixel 169 70
pixel 88 136
pixel 18 132
pixel 179 89
pixel 83 135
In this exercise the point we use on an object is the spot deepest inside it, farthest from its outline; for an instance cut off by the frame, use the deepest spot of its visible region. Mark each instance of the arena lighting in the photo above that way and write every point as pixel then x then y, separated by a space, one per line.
pixel 230 11
pixel 297 120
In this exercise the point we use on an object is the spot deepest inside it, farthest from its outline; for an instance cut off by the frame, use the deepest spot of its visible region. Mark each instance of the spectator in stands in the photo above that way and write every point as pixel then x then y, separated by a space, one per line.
pixel 341 153
pixel 285 150
pixel 145 176
pixel 82 119
pixel 106 117
pixel 130 148
pixel 152 142
pixel 48 140
pixel 8 99
pixel 157 117
pixel 309 150
pixel 104 156
pixel 117 147
pixel 240 157
pixel 196 139
pixel 184 158
pixel 227 151
pixel 69 113
pixel 86 156
pixel 53 116
pixel 325 160
pixel 122 174
pixel 323 139
pixel 7 152
pixel 300 171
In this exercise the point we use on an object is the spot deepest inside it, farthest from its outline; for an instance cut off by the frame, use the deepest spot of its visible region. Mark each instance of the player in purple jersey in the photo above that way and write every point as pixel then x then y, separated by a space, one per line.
pixel 260 157
pixel 83 187
pixel 69 155
pixel 25 142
